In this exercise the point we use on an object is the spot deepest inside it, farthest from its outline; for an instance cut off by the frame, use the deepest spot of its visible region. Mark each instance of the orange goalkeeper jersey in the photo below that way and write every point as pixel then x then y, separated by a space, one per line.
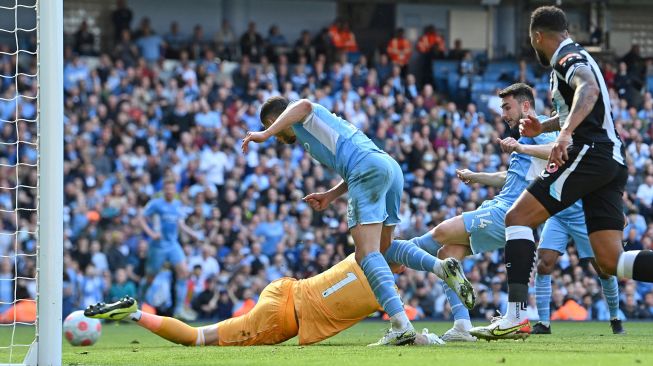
pixel 332 301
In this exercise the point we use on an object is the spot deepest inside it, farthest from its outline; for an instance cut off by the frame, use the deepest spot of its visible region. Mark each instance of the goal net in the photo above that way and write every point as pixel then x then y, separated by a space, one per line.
pixel 31 114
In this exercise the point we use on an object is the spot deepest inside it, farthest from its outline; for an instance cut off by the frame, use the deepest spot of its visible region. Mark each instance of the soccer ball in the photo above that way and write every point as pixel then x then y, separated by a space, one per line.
pixel 80 330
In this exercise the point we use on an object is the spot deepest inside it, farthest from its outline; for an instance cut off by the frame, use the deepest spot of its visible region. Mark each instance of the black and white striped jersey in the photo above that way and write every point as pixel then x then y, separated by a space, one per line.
pixel 599 126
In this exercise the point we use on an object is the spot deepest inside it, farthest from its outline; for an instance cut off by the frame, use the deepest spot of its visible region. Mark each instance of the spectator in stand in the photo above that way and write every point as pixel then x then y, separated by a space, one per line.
pixel 251 43
pixel 225 41
pixel 121 287
pixel 635 62
pixel 457 52
pixel 207 302
pixel 149 44
pixel 342 38
pixel 198 43
pixel 84 41
pixel 175 42
pixel 645 196
pixel 126 49
pixel 121 19
pixel 628 84
pixel 304 47
pixel 430 46
pixel 276 43
pixel 399 50
pixel 467 70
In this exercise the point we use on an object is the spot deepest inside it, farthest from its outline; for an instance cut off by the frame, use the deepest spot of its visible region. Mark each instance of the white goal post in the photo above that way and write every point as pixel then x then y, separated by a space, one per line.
pixel 45 19
pixel 50 188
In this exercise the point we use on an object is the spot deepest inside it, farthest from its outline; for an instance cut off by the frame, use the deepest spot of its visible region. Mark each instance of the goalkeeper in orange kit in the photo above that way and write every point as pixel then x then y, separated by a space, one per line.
pixel 315 309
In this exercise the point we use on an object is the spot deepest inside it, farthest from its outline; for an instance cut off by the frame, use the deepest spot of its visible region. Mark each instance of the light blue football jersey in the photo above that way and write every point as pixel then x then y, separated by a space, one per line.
pixel 523 169
pixel 333 141
pixel 169 215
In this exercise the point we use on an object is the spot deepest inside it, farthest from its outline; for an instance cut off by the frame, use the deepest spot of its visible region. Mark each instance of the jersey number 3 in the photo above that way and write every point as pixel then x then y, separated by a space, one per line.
pixel 351 277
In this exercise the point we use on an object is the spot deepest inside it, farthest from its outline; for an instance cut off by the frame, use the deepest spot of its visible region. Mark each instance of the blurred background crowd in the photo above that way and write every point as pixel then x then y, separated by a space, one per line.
pixel 177 105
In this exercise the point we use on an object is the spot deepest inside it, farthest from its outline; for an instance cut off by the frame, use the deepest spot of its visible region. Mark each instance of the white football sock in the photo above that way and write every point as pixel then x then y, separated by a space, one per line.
pixel 399 321
pixel 515 313
pixel 462 324
pixel 135 316
pixel 437 268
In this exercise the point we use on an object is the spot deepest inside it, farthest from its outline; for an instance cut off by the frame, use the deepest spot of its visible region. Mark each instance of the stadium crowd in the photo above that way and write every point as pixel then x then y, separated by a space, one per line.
pixel 157 106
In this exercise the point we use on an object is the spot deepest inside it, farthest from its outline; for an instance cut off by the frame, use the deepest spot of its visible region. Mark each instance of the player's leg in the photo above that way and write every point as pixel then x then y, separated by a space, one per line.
pixel 552 243
pixel 609 284
pixel 403 251
pixel 453 235
pixel 610 288
pixel 546 259
pixel 525 214
pixel 271 321
pixel 153 264
pixel 476 231
pixel 168 328
pixel 604 214
pixel 586 171
pixel 369 184
pixel 177 258
pixel 367 239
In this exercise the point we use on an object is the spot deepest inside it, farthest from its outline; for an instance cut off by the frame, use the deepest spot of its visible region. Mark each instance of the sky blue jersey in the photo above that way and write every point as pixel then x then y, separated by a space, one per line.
pixel 333 141
pixel 169 215
pixel 523 169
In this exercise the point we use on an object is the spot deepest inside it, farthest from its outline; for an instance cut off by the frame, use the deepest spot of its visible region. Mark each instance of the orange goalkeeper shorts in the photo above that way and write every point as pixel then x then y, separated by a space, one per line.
pixel 271 321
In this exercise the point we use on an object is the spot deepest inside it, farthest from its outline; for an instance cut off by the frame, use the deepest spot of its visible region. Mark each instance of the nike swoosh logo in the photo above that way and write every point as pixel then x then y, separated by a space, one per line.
pixel 114 314
pixel 501 332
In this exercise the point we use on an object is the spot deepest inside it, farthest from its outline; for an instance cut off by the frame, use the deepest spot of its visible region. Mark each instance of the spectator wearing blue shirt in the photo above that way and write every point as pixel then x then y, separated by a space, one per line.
pixel 271 230
pixel 150 45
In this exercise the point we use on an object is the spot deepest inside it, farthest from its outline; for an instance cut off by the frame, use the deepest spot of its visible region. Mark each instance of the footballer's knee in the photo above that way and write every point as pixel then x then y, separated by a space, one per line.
pixel 546 260
pixel 456 251
pixel 607 266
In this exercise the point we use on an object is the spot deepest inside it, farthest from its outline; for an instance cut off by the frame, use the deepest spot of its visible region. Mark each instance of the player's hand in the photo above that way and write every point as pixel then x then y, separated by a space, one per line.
pixel 509 145
pixel 253 137
pixel 530 126
pixel 558 155
pixel 465 175
pixel 155 236
pixel 318 201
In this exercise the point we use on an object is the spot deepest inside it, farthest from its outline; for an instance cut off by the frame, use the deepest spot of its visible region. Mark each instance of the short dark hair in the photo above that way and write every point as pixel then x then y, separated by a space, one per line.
pixel 274 106
pixel 519 91
pixel 549 19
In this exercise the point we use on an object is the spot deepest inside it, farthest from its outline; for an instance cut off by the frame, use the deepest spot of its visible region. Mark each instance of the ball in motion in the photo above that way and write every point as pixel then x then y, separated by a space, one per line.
pixel 80 330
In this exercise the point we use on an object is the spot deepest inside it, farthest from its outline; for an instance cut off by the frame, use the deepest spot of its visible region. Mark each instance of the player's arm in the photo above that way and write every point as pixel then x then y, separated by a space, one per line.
pixel 497 179
pixel 188 230
pixel 320 201
pixel 509 145
pixel 295 112
pixel 538 151
pixel 532 127
pixel 145 226
pixel 586 95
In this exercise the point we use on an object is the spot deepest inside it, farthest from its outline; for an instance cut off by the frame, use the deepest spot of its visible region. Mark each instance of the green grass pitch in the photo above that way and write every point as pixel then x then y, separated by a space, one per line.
pixel 571 344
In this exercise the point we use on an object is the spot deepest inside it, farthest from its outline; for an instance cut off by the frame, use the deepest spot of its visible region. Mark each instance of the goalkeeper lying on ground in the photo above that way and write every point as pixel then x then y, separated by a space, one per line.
pixel 315 309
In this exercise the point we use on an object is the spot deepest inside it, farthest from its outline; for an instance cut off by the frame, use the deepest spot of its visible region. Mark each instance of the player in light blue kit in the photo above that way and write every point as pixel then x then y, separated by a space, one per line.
pixel 483 230
pixel 375 183
pixel 553 242
pixel 164 242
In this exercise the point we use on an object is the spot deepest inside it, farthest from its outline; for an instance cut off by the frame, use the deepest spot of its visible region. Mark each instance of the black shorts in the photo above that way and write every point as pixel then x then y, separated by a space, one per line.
pixel 590 174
